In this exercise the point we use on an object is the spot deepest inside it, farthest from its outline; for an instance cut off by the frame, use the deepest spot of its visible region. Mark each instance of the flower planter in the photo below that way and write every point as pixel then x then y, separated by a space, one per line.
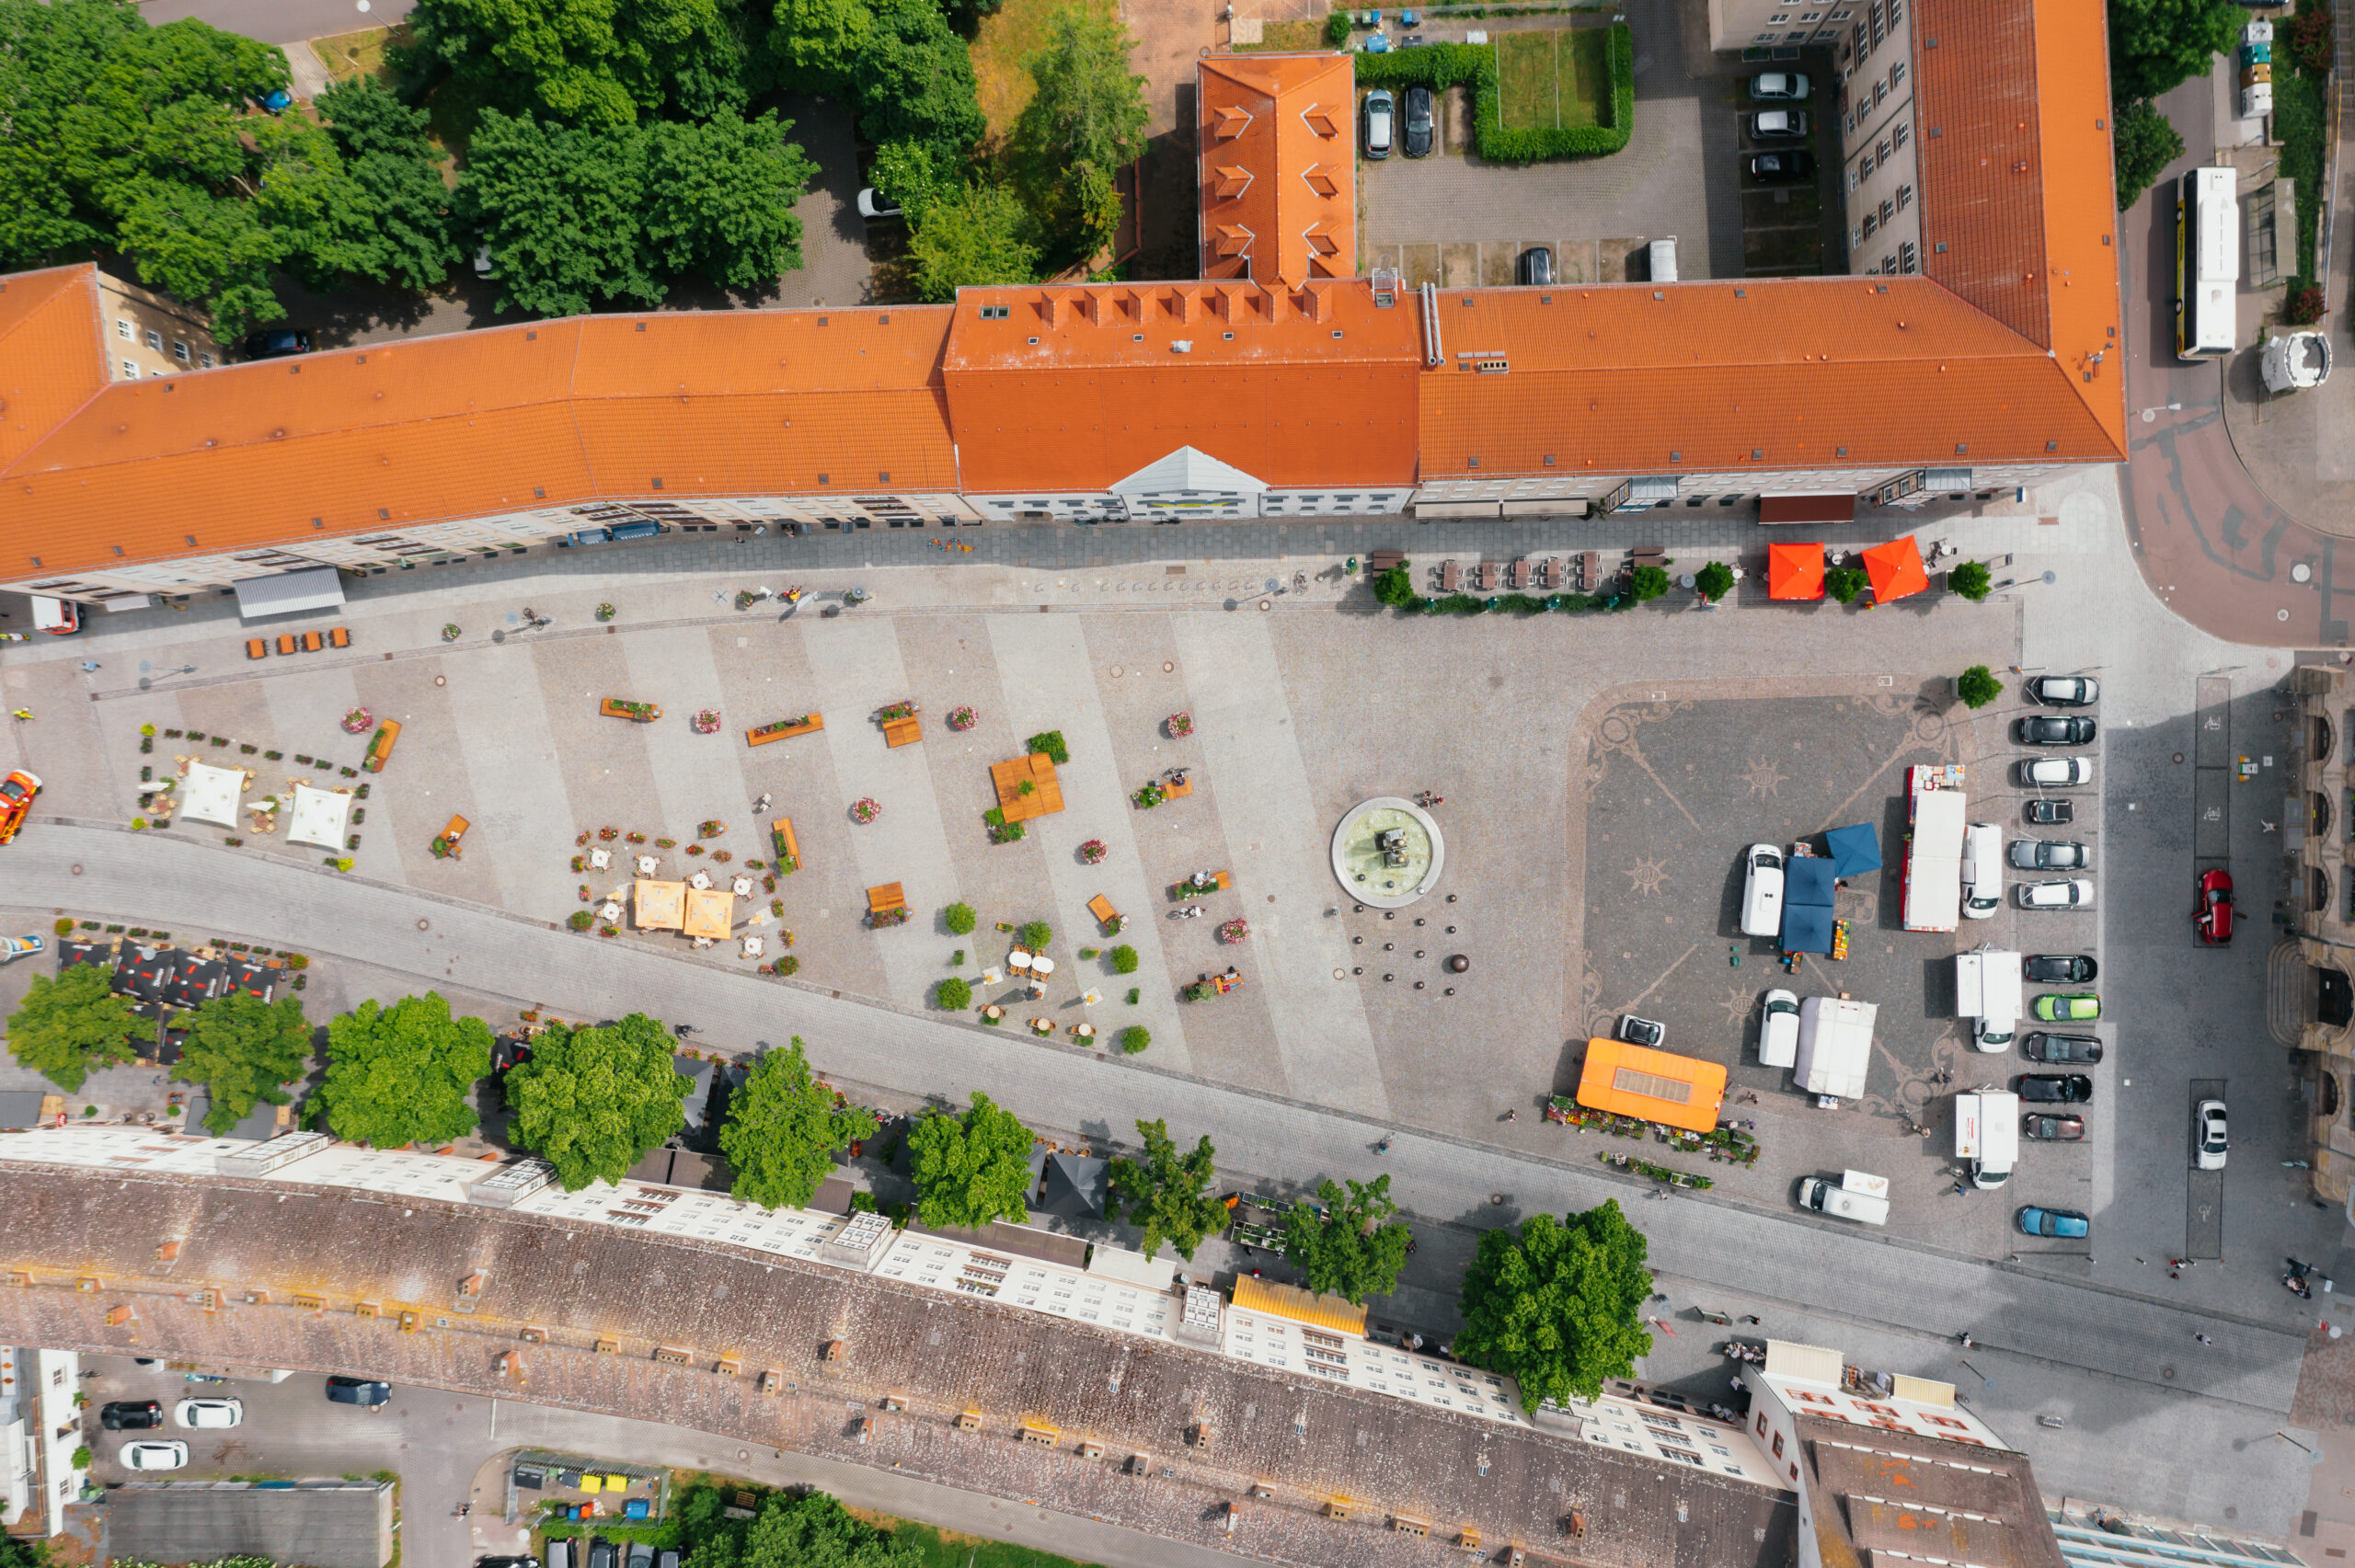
pixel 785 729
pixel 707 722
pixel 1179 726
pixel 1093 852
pixel 961 718
pixel 638 713
pixel 865 809
pixel 357 720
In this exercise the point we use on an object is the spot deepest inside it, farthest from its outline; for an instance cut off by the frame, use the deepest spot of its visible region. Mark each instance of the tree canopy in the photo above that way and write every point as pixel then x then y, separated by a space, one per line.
pixel 783 1130
pixel 70 1024
pixel 981 235
pixel 404 1074
pixel 1085 121
pixel 1169 1193
pixel 1357 1248
pixel 592 1101
pixel 970 1169
pixel 1558 1306
pixel 591 63
pixel 786 1530
pixel 2156 44
pixel 2144 144
pixel 148 140
pixel 242 1048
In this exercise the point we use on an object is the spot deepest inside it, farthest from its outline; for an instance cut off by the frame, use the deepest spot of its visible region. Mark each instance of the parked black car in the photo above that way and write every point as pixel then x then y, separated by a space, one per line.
pixel 1419 122
pixel 2050 812
pixel 2060 969
pixel 131 1415
pixel 358 1391
pixel 2054 729
pixel 276 343
pixel 1775 167
pixel 2062 1050
pixel 2055 1088
pixel 1537 266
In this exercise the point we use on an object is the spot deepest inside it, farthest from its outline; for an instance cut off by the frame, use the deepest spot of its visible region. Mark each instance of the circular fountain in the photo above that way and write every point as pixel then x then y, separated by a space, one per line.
pixel 1387 852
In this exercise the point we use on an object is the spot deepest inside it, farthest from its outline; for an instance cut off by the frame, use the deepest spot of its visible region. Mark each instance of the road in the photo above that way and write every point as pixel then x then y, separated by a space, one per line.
pixel 280 21
pixel 2052 1331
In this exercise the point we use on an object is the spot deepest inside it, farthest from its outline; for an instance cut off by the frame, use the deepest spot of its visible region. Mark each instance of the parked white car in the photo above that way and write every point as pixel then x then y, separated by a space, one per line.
pixel 154 1456
pixel 1761 891
pixel 2046 772
pixel 210 1412
pixel 2207 1131
pixel 2077 893
pixel 1778 1033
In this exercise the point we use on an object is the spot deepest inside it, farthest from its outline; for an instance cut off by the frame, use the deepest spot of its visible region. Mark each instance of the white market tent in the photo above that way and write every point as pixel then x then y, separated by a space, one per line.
pixel 210 794
pixel 321 818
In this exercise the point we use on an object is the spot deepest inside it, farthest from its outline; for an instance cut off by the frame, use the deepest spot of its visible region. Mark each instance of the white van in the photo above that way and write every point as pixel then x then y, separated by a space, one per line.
pixel 1987 1135
pixel 1860 1197
pixel 1987 990
pixel 1663 259
pixel 1761 891
pixel 1982 870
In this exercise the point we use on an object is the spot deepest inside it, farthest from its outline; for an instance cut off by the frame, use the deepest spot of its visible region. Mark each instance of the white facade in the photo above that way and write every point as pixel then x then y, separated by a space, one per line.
pixel 39 1432
pixel 1736 24
pixel 1881 167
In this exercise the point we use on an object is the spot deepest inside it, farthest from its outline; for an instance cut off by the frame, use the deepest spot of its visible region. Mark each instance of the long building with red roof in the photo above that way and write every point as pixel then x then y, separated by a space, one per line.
pixel 1276 385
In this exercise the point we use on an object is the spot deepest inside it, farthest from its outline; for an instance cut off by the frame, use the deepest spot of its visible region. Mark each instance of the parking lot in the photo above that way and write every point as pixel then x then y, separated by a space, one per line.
pixel 1676 791
pixel 1452 220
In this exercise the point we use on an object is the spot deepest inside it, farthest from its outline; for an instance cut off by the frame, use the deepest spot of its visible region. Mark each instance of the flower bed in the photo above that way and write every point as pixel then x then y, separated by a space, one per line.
pixel 1093 852
pixel 880 919
pixel 707 721
pixel 1149 796
pixel 1179 725
pixel 1657 1172
pixel 357 720
pixel 961 718
pixel 896 711
pixel 1235 929
pixel 710 828
pixel 865 809
pixel 604 612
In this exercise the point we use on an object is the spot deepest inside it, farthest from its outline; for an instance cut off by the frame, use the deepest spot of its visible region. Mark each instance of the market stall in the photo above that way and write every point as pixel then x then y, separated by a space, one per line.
pixel 321 817
pixel 210 794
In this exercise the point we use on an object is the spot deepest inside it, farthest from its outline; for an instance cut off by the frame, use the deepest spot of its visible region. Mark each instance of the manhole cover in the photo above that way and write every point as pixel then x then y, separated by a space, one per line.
pixel 1340 974
pixel 440 680
pixel 1116 673
pixel 2167 1372
pixel 2179 756
pixel 2302 573
pixel 1166 667
pixel 422 924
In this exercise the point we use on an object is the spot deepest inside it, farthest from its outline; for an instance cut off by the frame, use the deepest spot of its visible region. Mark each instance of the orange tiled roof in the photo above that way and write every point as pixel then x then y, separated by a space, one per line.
pixel 509 419
pixel 1787 373
pixel 51 358
pixel 1074 388
pixel 1277 167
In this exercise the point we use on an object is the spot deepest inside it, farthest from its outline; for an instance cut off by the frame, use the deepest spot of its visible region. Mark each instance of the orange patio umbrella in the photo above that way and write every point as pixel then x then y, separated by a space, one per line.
pixel 1896 570
pixel 1795 571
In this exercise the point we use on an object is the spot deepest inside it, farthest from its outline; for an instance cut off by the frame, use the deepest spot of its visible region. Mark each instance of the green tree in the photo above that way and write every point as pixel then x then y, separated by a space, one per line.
pixel 1136 1037
pixel 1970 580
pixel 1713 581
pixel 1977 686
pixel 1336 30
pixel 2144 144
pixel 388 217
pixel 789 1529
pixel 403 1074
pixel 1357 1248
pixel 1169 1197
pixel 952 995
pixel 1649 583
pixel 906 172
pixel 982 236
pixel 1124 959
pixel 16 1551
pixel 1086 120
pixel 959 919
pixel 1844 583
pixel 589 62
pixel 721 198
pixel 70 1024
pixel 562 212
pixel 916 83
pixel 592 1101
pixel 1395 587
pixel 971 1169
pixel 1036 934
pixel 1558 1306
pixel 2156 44
pixel 242 1048
pixel 783 1130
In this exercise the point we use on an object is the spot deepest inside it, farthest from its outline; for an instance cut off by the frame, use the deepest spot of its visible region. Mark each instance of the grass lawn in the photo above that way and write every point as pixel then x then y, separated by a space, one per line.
pixel 943 1548
pixel 2300 123
pixel 1553 79
pixel 1291 38
pixel 1008 36
pixel 361 54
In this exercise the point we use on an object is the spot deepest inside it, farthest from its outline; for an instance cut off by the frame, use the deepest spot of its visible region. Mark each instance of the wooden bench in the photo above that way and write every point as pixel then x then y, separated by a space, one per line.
pixel 1450 579
pixel 1381 561
pixel 339 636
pixel 381 749
pixel 788 847
pixel 637 713
pixel 312 642
pixel 785 729
pixel 1101 908
pixel 451 834
pixel 286 642
pixel 1187 890
pixel 903 731
pixel 1550 574
pixel 256 647
pixel 1177 789
pixel 885 898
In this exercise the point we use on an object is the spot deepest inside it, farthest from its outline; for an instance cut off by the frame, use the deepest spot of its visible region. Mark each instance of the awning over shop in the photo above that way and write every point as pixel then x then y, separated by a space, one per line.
pixel 1896 570
pixel 1795 571
pixel 320 817
pixel 210 795
pixel 1807 509
pixel 1854 851
pixel 288 593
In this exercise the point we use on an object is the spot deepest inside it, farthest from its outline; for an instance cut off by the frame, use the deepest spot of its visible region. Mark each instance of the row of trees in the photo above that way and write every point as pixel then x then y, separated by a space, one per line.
pixel 1556 1304
pixel 2155 46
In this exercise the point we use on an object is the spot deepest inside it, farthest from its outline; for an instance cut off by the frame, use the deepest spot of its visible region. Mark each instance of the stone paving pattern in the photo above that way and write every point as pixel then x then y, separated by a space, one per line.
pixel 944 1352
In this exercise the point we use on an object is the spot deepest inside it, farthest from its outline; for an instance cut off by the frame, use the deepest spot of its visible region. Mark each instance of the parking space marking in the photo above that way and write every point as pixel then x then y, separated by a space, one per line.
pixel 2203 1204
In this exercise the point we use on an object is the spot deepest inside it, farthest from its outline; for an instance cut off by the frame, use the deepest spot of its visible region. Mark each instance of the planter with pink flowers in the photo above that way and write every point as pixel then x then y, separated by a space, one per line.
pixel 1093 852
pixel 865 809
pixel 1179 726
pixel 962 718
pixel 357 721
pixel 1234 931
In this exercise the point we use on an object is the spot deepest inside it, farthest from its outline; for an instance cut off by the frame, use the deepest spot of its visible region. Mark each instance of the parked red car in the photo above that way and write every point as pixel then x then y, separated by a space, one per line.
pixel 2214 919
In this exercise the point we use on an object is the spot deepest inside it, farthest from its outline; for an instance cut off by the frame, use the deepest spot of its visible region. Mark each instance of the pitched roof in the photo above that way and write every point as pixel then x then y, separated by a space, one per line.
pixel 1881 1493
pixel 51 361
pixel 1278 169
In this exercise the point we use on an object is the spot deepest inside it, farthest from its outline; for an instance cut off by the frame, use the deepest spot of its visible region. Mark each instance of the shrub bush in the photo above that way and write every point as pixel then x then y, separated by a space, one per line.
pixel 1134 1038
pixel 578 920
pixel 1444 65
pixel 1649 583
pixel 1394 586
pixel 1124 959
pixel 959 919
pixel 1051 741
pixel 1977 686
pixel 1970 580
pixel 64 926
pixel 1336 30
pixel 1844 583
pixel 1714 581
pixel 1132 996
pixel 1037 934
pixel 952 995
pixel 2302 305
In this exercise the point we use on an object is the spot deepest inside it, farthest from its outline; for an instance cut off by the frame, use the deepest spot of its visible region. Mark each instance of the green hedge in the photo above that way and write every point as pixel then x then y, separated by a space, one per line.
pixel 1442 65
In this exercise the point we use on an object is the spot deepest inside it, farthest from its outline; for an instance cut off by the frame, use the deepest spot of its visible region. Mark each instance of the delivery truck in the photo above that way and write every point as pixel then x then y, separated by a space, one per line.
pixel 1861 1196
pixel 1935 809
pixel 1987 1135
pixel 1835 1047
pixel 1987 990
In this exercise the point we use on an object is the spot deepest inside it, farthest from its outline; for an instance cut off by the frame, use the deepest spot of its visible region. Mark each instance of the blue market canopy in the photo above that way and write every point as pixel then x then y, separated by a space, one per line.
pixel 1806 928
pixel 1854 851
pixel 1807 882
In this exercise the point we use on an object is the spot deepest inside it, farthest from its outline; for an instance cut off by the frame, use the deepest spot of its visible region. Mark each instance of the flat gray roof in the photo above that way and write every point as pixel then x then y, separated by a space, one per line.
pixel 323 1523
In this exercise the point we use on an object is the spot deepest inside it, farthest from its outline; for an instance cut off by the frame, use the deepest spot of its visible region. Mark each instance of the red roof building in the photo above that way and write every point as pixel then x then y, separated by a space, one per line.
pixel 1278 157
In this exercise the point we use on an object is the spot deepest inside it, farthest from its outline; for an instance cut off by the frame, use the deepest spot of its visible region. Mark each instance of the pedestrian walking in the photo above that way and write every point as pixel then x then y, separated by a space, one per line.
pixel 1966 1341
pixel 2204 1339
pixel 1752 1318
pixel 89 666
pixel 21 715
pixel 1513 1114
